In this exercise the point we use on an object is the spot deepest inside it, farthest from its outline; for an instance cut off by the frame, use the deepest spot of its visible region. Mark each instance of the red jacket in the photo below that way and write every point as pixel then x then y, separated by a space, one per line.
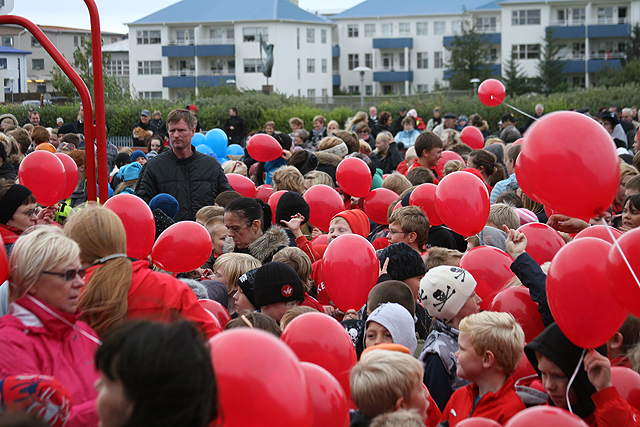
pixel 612 410
pixel 500 406
pixel 34 341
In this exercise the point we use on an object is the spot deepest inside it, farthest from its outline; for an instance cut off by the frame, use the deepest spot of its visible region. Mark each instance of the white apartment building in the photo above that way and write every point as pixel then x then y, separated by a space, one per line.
pixel 13 71
pixel 196 43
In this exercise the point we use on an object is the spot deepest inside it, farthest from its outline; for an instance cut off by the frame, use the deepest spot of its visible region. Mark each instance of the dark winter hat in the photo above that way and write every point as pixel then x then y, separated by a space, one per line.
pixel 216 291
pixel 130 171
pixel 66 128
pixel 284 140
pixel 12 200
pixel 166 203
pixel 277 282
pixel 404 262
pixel 610 117
pixel 122 159
pixel 137 154
pixel 450 116
pixel 246 283
pixel 291 203
pixel 403 109
pixel 508 117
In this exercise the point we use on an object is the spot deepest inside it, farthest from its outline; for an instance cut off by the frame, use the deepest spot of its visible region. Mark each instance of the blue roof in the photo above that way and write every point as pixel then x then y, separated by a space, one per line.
pixel 188 11
pixel 489 6
pixel 383 9
pixel 7 49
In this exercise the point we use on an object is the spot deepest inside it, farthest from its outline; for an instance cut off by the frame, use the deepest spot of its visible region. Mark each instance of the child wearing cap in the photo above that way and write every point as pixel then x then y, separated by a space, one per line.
pixel 490 347
pixel 390 323
pixel 448 294
pixel 277 288
pixel 244 299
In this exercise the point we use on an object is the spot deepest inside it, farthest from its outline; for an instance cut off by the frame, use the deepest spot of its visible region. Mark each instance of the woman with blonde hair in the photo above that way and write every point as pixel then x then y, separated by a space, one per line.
pixel 119 289
pixel 360 117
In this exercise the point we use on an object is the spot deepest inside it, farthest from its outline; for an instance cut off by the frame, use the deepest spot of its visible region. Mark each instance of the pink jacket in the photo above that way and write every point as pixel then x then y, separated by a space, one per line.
pixel 34 341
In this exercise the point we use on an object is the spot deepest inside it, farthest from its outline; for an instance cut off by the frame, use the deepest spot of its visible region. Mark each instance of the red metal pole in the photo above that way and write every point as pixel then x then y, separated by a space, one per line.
pixel 85 96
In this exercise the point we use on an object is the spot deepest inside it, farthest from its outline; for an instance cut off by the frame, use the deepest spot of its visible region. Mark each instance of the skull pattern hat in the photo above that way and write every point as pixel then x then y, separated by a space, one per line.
pixel 444 290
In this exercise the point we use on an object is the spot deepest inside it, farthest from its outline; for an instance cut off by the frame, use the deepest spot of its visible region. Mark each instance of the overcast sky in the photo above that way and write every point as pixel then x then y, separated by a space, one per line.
pixel 114 13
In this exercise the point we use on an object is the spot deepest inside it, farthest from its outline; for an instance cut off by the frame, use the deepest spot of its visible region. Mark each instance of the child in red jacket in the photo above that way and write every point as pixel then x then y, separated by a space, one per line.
pixel 491 345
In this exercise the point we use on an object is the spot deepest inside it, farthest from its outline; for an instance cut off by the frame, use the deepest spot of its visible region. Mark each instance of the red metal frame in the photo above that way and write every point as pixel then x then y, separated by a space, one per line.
pixel 93 133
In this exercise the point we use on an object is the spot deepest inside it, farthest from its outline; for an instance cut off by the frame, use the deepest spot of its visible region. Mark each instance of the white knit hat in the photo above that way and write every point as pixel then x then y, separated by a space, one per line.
pixel 444 290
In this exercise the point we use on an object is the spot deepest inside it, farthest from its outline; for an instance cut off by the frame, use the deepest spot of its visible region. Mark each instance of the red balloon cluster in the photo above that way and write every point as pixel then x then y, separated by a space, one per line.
pixel 542 241
pixel 472 136
pixel 241 184
pixel 424 196
pixel 263 147
pixel 330 406
pixel 44 174
pixel 517 301
pixel 182 247
pixel 138 221
pixel 491 92
pixel 600 232
pixel 547 416
pixel 627 382
pixel 273 203
pixel 71 174
pixel 263 192
pixel 217 310
pixel 621 279
pixel 354 177
pixel 491 267
pixel 324 202
pixel 446 156
pixel 462 202
pixel 376 204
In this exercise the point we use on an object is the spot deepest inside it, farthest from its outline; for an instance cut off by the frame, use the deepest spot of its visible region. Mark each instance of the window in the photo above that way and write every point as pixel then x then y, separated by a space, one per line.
pixel 525 51
pixel 578 15
pixel 605 15
pixel 231 34
pixel 7 41
pixel 369 30
pixel 561 16
pixel 252 34
pixel 298 68
pixel 387 30
pixel 486 24
pixel 492 54
pixel 368 61
pixel 401 61
pixel 387 61
pixel 217 66
pixel 185 37
pixel 311 65
pixel 148 37
pixel 525 17
pixel 41 87
pixel 578 82
pixel 311 93
pixel 437 59
pixel 456 27
pixel 311 35
pixel 562 52
pixel 404 29
pixel 150 95
pixel 323 36
pixel 37 64
pixel 368 90
pixel 325 93
pixel 114 39
pixel 438 28
pixel 216 35
pixel 324 65
pixel 252 66
pixel 622 14
pixel 34 42
pixel 149 67
pixel 422 88
pixel 577 50
pixel 231 66
pixel 422 28
pixel 354 90
pixel 352 30
pixel 118 67
pixel 298 38
pixel 354 61
pixel 423 60
pixel 3 63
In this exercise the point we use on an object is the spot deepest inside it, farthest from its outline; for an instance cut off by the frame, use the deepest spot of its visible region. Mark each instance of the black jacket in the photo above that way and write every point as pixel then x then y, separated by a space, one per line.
pixel 389 163
pixel 161 127
pixel 237 134
pixel 7 171
pixel 195 182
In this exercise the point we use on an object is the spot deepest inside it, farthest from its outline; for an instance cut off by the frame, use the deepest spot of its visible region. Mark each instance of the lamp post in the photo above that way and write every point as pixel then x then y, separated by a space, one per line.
pixel 475 82
pixel 362 70
pixel 11 79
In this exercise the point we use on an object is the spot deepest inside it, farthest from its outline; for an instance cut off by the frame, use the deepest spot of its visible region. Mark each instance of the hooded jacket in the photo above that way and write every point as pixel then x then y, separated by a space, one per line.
pixel 264 247
pixel 195 181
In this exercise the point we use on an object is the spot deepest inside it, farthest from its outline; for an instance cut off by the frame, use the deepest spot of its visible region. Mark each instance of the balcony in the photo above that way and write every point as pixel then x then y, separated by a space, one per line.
pixel 207 47
pixel 335 52
pixel 173 51
pixel 336 78
pixel 215 79
pixel 188 78
pixel 491 38
pixel 179 81
pixel 496 70
pixel 392 76
pixel 597 30
pixel 393 43
pixel 595 65
pixel 216 50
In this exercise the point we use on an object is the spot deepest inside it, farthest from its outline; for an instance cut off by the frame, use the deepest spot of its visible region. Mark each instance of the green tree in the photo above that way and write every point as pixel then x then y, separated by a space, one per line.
pixel 468 59
pixel 82 63
pixel 515 81
pixel 632 49
pixel 550 68
pixel 629 73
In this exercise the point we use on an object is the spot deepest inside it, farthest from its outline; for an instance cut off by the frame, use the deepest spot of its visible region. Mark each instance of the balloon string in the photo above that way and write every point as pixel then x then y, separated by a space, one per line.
pixel 626 261
pixel 520 111
pixel 573 377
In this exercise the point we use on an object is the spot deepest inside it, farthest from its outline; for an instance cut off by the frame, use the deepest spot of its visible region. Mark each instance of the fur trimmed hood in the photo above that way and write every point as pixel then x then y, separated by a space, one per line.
pixel 328 158
pixel 485 126
pixel 265 247
pixel 9 116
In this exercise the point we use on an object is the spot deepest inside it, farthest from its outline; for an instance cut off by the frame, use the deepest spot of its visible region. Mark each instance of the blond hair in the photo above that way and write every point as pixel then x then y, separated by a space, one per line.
pixel 288 178
pixel 294 312
pixel 329 142
pixel 441 256
pixel 453 166
pixel 410 155
pixel 380 378
pixel 503 214
pixel 626 170
pixel 412 220
pixel 206 213
pixel 99 232
pixel 235 265
pixel 43 247
pixel 235 166
pixel 318 177
pixel 450 137
pixel 364 146
pixel 296 121
pixel 396 182
pixel 299 261
pixel 384 136
pixel 401 418
pixel 498 333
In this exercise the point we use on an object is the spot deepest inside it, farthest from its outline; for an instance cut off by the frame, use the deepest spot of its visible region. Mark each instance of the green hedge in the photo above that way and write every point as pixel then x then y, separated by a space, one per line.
pixel 257 108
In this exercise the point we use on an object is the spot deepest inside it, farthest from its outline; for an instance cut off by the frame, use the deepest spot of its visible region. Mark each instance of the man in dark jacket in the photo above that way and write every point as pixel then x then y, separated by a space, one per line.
pixel 235 128
pixel 144 123
pixel 193 178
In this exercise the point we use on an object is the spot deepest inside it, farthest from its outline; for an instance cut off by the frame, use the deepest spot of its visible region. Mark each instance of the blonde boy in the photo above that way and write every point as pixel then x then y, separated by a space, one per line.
pixel 491 345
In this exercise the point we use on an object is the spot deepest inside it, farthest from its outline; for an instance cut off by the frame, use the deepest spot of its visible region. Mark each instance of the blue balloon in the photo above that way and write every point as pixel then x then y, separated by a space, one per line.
pixel 204 149
pixel 217 140
pixel 235 150
pixel 197 139
pixel 223 161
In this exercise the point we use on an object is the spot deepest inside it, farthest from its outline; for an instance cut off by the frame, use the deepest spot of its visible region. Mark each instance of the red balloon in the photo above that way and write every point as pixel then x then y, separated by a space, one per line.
pixel 263 192
pixel 397 206
pixel 490 267
pixel 324 202
pixel 478 422
pixel 424 196
pixel 446 156
pixel 330 406
pixel 491 92
pixel 577 290
pixel 462 201
pixel 43 173
pixel 547 416
pixel 260 381
pixel 517 301
pixel 524 186
pixel 376 204
pixel 139 225
pixel 273 202
pixel 472 136
pixel 519 141
pixel 354 177
pixel 71 174
pixel 600 231
pixel 320 240
pixel 241 184
pixel 264 148
pixel 542 241
pixel 321 339
pixel 184 246
pixel 350 269
pixel 627 382
pixel 569 138
pixel 217 310
pixel 524 369
pixel 621 281
pixel 4 262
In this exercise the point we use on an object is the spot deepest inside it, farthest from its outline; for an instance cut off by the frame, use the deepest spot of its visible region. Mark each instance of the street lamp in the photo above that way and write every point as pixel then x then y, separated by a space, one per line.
pixel 475 82
pixel 11 79
pixel 362 70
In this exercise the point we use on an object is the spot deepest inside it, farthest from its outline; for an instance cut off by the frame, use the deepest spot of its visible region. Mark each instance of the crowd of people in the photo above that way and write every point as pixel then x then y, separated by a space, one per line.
pixel 89 335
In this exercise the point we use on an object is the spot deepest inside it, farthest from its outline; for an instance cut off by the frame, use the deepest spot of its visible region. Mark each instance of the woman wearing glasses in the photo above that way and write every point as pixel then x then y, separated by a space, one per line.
pixel 42 333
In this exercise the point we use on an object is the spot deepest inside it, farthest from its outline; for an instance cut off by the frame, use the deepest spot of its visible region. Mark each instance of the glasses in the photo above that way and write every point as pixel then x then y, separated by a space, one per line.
pixel 69 275
pixel 394 232
pixel 30 212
